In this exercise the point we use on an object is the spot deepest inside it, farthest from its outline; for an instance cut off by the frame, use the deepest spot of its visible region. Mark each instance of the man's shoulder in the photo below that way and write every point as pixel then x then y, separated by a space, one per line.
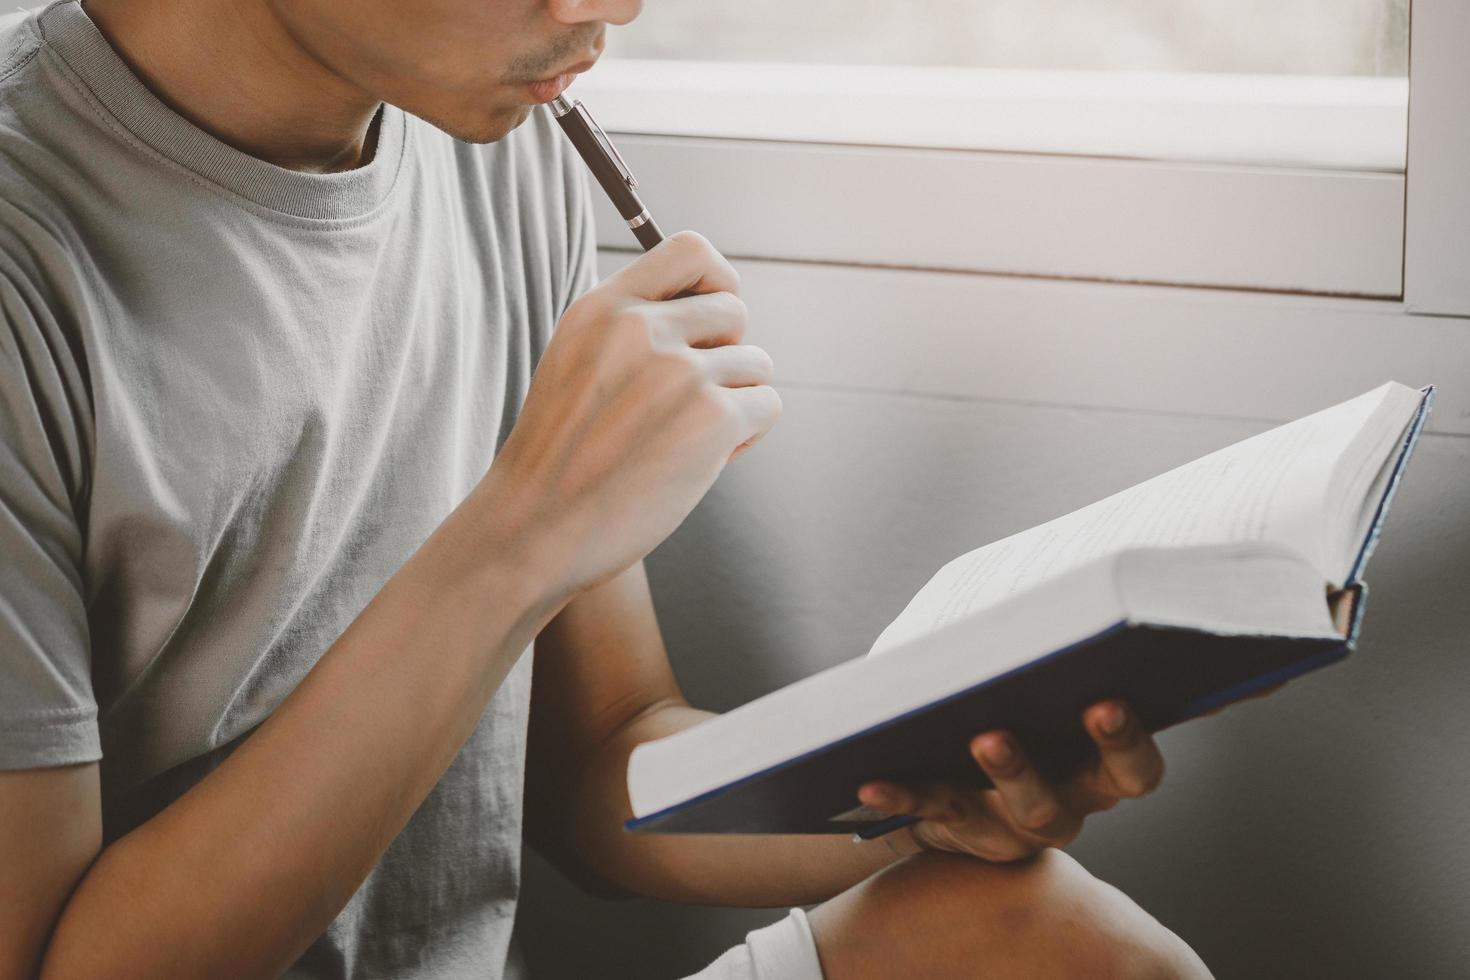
pixel 19 41
pixel 34 165
pixel 26 87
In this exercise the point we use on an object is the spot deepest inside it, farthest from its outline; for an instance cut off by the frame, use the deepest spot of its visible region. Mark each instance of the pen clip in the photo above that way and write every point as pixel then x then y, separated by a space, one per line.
pixel 612 152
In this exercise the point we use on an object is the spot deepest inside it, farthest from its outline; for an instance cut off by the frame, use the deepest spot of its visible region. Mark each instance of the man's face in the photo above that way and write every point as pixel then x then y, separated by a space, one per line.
pixel 466 66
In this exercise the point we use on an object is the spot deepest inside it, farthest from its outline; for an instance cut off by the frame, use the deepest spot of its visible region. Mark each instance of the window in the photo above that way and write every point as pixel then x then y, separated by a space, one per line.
pixel 1009 212
pixel 1292 82
pixel 1253 145
pixel 1297 37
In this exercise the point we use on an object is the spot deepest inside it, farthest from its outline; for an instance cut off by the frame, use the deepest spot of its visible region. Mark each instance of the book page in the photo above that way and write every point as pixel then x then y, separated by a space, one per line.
pixel 1271 487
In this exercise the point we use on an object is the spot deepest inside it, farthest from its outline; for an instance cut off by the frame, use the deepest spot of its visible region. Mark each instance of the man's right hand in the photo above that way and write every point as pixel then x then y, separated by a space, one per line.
pixel 643 395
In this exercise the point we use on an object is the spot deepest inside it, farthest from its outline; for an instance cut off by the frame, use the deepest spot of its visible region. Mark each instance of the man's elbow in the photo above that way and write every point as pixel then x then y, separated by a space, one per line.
pixel 566 858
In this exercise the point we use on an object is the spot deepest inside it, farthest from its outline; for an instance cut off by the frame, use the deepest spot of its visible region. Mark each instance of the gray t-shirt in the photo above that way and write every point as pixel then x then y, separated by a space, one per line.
pixel 233 400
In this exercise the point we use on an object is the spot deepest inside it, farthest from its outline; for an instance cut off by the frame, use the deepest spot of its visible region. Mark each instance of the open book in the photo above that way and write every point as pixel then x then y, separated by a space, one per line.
pixel 1195 588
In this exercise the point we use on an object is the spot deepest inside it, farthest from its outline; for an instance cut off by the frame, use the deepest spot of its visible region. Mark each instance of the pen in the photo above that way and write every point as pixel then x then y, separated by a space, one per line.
pixel 607 165
pixel 884 827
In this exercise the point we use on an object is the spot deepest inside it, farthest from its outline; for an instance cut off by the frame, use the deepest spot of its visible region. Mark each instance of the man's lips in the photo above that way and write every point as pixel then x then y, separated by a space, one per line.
pixel 549 88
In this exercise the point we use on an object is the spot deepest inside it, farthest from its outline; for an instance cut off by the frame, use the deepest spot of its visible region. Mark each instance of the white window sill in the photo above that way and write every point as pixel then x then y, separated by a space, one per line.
pixel 1317 122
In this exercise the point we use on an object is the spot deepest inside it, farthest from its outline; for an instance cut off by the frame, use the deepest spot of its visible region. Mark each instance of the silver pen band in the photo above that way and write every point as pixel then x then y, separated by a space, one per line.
pixel 640 219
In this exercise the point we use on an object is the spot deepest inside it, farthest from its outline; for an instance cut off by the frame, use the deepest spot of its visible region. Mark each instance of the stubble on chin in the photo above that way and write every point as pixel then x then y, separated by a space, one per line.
pixel 486 127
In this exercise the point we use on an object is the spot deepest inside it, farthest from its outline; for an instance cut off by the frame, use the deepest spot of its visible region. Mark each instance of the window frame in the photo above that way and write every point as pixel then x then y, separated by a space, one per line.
pixel 1437 209
pixel 1273 229
pixel 1335 228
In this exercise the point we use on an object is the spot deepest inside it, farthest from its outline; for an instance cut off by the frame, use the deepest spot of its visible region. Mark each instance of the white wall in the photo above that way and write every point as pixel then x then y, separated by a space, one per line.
pixel 1316 833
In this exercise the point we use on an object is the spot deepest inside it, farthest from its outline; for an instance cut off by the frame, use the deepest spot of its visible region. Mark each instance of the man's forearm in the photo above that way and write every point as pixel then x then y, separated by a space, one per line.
pixel 709 869
pixel 238 876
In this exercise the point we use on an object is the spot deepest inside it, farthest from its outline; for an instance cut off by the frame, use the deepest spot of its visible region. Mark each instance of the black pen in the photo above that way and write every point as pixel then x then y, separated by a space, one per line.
pixel 886 826
pixel 607 166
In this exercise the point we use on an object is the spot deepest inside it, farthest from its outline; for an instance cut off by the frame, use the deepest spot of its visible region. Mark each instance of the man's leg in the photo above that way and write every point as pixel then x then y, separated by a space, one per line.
pixel 935 917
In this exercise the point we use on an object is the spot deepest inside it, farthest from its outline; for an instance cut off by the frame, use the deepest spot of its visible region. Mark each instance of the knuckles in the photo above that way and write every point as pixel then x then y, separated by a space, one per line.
pixel 689 241
pixel 721 312
pixel 640 347
pixel 673 367
pixel 774 404
pixel 678 375
pixel 695 245
pixel 725 311
pixel 1041 817
pixel 704 255
pixel 765 366
pixel 735 307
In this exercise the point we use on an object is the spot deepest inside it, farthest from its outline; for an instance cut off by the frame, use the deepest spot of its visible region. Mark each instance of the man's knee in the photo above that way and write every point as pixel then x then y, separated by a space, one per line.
pixel 1104 932
pixel 949 916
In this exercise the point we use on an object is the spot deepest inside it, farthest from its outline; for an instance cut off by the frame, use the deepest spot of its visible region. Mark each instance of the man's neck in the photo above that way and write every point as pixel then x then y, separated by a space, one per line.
pixel 232 69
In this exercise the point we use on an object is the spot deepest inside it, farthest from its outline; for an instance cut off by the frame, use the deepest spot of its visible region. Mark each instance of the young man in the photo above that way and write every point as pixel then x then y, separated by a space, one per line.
pixel 269 317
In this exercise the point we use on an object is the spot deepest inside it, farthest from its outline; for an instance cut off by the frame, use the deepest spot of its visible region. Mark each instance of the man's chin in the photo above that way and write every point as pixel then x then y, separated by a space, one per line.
pixel 486 125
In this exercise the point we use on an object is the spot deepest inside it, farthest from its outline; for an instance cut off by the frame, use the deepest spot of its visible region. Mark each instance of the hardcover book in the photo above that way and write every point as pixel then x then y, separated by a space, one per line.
pixel 1198 587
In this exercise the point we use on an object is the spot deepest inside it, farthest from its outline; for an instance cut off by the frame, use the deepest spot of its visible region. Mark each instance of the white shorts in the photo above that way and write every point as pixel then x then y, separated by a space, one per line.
pixel 783 950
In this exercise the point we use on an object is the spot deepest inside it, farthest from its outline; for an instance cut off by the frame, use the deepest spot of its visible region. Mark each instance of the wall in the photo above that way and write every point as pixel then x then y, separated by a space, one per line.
pixel 1315 833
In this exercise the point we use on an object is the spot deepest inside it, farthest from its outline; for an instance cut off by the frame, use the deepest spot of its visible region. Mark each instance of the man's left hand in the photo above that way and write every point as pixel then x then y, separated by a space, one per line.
pixel 1024 813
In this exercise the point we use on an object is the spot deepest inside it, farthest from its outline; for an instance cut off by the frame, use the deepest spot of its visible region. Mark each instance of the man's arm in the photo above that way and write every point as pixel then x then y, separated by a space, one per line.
pixel 247 868
pixel 636 406
pixel 238 876
pixel 58 807
pixel 602 685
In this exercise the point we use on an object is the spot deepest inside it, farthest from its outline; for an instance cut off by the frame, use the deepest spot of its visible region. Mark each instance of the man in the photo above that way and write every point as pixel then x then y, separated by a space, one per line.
pixel 264 333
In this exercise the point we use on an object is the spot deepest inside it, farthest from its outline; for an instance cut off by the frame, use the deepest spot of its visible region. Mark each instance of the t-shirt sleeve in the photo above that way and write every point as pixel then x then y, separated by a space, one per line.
pixel 48 715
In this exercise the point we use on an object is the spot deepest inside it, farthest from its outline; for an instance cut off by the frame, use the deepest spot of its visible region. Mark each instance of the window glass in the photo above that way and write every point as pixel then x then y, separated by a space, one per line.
pixel 1297 37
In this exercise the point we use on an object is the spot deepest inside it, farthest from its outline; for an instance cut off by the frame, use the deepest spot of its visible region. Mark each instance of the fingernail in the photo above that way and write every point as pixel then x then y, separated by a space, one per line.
pixel 880 798
pixel 1112 720
pixel 999 754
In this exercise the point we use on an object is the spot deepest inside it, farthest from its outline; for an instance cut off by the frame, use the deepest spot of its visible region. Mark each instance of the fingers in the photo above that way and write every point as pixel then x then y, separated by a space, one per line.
pixel 757 408
pixel 736 366
pixel 939 802
pixel 961 819
pixel 1129 763
pixel 706 320
pixel 1025 812
pixel 1030 799
pixel 682 263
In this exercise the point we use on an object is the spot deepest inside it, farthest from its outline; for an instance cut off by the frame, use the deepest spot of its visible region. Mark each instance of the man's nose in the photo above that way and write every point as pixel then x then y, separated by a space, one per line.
pixel 607 11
